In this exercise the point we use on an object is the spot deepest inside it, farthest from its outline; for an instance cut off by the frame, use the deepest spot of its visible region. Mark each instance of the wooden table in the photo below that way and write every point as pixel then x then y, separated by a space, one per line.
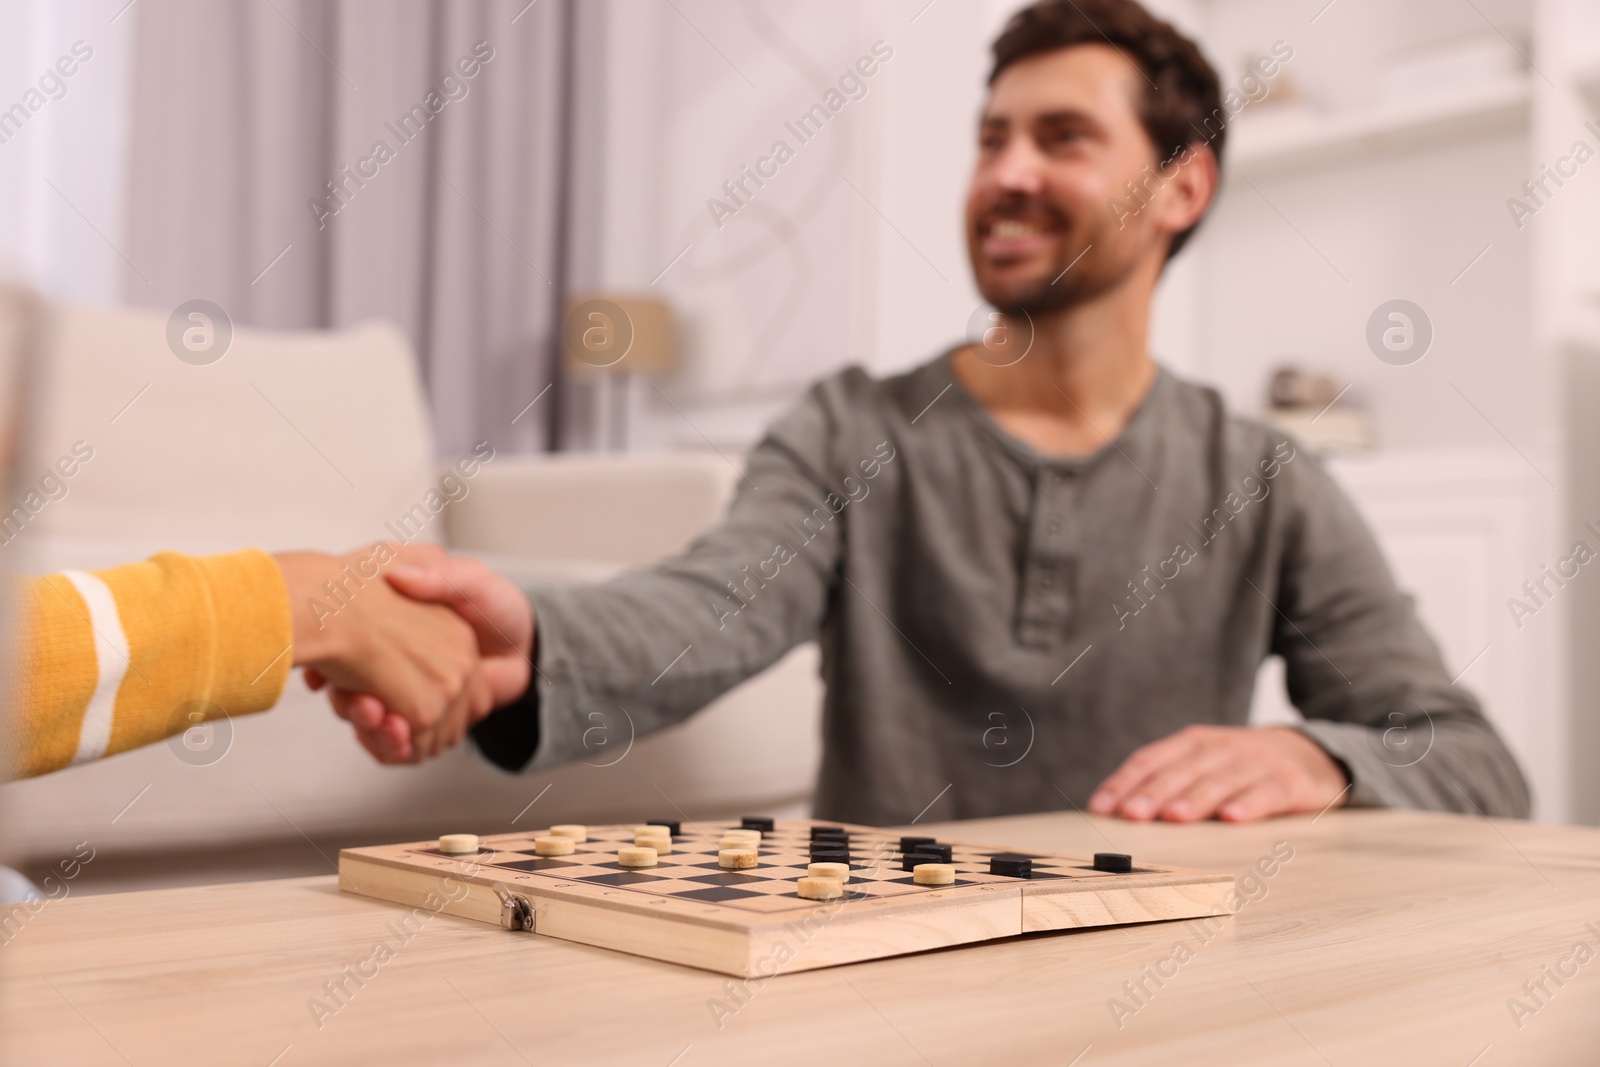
pixel 1387 938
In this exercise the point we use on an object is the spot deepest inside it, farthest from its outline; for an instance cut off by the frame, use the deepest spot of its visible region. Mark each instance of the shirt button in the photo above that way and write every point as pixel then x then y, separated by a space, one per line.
pixel 1052 527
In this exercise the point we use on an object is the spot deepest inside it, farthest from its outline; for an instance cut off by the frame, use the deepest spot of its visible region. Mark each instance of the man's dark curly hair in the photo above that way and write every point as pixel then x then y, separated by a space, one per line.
pixel 1181 100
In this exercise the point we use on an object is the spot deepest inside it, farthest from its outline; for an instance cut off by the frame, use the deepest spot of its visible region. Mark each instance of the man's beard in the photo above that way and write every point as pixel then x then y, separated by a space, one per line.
pixel 1079 280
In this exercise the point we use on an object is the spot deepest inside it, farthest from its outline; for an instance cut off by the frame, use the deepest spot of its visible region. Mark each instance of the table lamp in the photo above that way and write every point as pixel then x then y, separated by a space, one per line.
pixel 611 339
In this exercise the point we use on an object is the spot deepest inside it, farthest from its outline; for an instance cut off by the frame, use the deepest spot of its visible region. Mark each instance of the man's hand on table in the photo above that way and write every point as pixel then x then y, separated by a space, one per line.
pixel 501 622
pixel 1234 773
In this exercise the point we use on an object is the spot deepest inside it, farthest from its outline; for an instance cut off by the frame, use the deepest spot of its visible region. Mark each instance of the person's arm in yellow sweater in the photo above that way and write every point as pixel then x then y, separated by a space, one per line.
pixel 124 657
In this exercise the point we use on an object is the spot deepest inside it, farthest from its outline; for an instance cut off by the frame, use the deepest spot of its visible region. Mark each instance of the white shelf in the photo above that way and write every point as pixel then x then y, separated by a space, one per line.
pixel 1273 143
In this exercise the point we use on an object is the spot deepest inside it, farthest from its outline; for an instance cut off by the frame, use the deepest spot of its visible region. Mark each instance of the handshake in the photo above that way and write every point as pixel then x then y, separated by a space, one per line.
pixel 414 646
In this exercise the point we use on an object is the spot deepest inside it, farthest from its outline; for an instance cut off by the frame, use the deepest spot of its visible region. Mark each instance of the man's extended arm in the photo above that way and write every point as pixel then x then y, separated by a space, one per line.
pixel 653 646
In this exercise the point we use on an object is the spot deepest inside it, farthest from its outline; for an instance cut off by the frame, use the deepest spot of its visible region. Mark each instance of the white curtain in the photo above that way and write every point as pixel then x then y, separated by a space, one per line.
pixel 308 163
pixel 62 138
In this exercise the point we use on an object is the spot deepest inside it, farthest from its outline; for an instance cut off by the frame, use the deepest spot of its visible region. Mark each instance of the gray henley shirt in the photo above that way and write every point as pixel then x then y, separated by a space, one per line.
pixel 1001 628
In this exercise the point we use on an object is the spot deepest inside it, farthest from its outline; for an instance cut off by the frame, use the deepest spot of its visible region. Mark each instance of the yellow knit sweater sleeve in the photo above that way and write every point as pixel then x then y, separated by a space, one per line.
pixel 124 657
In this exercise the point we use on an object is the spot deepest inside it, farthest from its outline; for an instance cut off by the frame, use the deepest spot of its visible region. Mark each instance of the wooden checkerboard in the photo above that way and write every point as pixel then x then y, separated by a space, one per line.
pixel 688 910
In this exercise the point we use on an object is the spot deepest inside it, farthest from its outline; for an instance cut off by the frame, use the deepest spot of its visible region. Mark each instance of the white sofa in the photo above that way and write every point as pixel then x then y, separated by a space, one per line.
pixel 318 440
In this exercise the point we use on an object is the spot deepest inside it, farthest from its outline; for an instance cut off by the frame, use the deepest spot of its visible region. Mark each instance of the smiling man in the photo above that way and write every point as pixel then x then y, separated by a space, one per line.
pixel 1043 570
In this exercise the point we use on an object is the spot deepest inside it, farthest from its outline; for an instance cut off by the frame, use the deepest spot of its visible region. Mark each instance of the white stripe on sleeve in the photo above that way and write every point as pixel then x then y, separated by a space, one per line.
pixel 111 654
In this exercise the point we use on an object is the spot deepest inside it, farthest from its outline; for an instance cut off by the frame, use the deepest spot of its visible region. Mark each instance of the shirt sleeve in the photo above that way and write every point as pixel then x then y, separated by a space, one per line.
pixel 1368 677
pixel 650 647
pixel 125 657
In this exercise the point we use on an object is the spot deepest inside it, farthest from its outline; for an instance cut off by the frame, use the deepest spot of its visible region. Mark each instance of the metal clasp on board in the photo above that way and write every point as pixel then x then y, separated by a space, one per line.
pixel 515 911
